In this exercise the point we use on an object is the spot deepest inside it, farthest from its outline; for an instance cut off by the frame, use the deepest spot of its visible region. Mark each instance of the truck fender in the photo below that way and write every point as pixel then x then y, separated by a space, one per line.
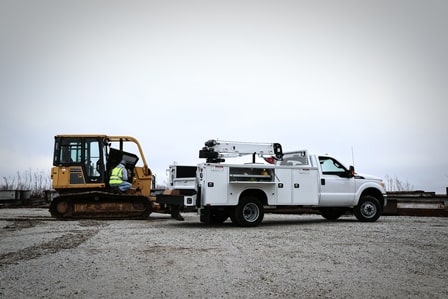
pixel 371 189
pixel 253 192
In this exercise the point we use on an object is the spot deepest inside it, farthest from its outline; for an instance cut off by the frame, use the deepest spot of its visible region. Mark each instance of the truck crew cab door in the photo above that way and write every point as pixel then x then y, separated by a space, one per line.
pixel 337 185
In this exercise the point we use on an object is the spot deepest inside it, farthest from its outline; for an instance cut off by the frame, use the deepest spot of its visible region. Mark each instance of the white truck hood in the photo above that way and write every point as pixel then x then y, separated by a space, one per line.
pixel 368 177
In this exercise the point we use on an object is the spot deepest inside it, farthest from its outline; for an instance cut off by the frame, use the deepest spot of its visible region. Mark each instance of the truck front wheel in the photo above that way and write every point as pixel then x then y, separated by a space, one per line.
pixel 249 212
pixel 368 209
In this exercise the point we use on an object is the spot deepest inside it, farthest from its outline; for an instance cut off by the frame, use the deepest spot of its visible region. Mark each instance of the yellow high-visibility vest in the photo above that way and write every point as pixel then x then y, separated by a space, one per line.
pixel 116 178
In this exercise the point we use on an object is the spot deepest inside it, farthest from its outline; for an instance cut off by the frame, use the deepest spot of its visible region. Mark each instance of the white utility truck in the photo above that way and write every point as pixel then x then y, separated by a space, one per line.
pixel 243 191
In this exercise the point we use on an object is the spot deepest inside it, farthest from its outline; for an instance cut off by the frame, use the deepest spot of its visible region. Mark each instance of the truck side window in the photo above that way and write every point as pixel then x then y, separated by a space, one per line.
pixel 330 166
pixel 295 160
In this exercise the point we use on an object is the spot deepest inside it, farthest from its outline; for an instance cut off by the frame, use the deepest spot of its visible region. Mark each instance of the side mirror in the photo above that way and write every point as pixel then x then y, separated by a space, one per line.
pixel 351 171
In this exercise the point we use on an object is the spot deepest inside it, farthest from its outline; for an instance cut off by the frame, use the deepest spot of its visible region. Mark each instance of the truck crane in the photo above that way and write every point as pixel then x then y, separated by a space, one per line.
pixel 295 179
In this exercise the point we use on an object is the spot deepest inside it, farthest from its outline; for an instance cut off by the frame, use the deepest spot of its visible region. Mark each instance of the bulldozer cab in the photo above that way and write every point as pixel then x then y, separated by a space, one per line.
pixel 83 156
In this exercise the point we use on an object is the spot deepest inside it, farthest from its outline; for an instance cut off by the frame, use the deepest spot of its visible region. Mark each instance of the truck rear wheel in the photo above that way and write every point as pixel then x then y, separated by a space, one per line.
pixel 249 212
pixel 368 209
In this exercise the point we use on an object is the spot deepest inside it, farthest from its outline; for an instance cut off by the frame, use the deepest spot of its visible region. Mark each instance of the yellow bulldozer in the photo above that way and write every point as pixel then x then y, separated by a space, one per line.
pixel 82 165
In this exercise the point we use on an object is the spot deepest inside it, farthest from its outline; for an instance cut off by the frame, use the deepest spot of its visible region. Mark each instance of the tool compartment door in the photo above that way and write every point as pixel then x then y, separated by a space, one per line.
pixel 283 186
pixel 215 185
pixel 305 186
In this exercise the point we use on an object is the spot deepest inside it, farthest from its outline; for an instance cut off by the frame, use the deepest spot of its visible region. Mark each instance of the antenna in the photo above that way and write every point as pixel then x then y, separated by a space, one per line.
pixel 353 157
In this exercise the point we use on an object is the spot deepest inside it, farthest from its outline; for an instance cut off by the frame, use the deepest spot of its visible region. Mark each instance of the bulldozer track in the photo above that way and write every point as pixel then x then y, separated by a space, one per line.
pixel 100 205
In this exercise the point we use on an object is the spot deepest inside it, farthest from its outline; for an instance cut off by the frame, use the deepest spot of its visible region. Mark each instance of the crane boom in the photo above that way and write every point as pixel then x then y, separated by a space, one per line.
pixel 216 150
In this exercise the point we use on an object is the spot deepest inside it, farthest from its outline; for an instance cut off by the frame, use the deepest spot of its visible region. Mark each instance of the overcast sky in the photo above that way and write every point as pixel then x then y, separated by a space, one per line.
pixel 328 76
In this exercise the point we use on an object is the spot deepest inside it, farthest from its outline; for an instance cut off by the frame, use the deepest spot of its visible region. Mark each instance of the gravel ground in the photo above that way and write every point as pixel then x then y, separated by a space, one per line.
pixel 287 256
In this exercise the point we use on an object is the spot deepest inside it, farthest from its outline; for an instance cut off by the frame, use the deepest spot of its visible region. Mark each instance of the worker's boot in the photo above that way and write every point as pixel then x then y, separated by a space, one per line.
pixel 175 213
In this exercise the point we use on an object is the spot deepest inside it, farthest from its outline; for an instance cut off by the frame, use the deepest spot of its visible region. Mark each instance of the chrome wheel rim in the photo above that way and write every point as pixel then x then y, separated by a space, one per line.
pixel 251 212
pixel 368 210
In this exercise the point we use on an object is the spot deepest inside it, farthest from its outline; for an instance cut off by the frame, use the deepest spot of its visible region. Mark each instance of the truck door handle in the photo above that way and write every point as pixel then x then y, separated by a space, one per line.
pixel 322 181
pixel 296 185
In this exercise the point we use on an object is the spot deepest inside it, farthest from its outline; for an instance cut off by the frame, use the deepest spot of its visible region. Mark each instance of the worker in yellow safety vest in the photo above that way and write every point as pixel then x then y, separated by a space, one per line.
pixel 119 177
